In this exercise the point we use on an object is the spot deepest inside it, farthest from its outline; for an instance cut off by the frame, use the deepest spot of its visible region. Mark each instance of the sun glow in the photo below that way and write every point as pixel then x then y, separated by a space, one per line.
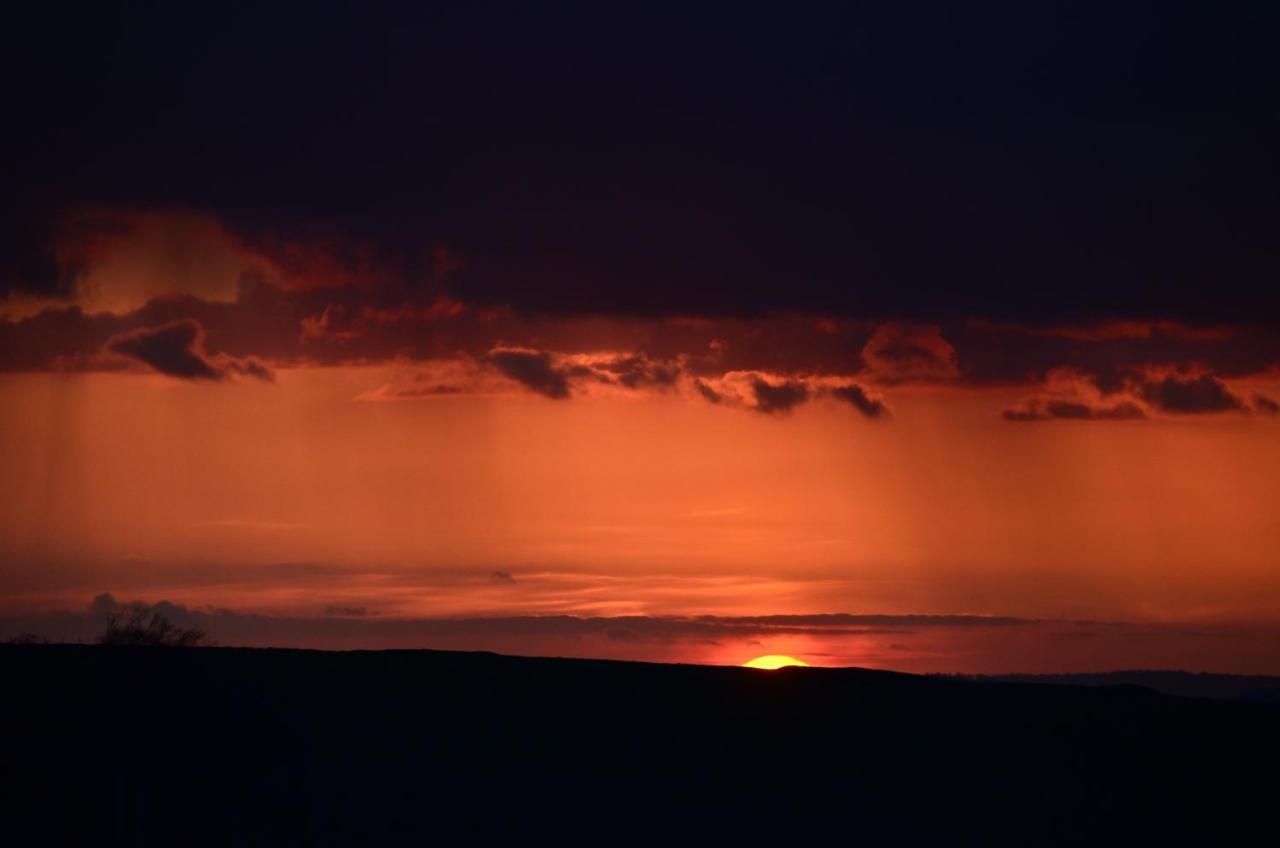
pixel 774 661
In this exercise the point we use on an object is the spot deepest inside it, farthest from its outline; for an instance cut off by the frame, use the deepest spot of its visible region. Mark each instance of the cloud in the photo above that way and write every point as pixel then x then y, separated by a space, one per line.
pixel 838 620
pixel 1113 354
pixel 532 369
pixel 29 268
pixel 169 349
pixel 556 374
pixel 1265 405
pixel 709 394
pixel 1116 330
pixel 857 397
pixel 247 367
pixel 777 392
pixel 635 371
pixel 910 353
pixel 680 231
pixel 347 612
pixel 1190 396
pixel 416 392
pixel 1130 392
pixel 906 641
pixel 622 634
pixel 499 576
pixel 297 316
pixel 439 378
pixel 1109 379
pixel 778 398
pixel 356 625
pixel 1047 410
pixel 281 301
pixel 114 260
pixel 176 349
pixel 103 604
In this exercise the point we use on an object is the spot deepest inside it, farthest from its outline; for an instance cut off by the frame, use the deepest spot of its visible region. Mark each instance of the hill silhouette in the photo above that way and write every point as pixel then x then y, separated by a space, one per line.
pixel 1186 684
pixel 162 745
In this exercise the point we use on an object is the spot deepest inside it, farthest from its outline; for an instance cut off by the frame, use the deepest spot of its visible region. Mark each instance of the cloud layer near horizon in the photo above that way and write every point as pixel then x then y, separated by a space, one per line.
pixel 914 642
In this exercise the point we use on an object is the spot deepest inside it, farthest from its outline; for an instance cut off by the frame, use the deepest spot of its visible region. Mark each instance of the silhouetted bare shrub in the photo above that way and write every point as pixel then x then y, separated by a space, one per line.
pixel 139 624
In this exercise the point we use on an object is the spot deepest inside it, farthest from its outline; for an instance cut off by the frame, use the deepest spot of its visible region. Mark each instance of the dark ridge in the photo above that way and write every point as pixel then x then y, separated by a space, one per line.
pixel 1185 684
pixel 230 746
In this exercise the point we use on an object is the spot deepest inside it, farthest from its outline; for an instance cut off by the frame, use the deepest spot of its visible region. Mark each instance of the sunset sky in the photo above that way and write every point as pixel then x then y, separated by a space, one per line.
pixel 922 338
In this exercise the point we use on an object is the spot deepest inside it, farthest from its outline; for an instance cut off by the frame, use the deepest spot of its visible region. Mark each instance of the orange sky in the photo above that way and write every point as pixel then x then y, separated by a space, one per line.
pixel 304 496
pixel 873 316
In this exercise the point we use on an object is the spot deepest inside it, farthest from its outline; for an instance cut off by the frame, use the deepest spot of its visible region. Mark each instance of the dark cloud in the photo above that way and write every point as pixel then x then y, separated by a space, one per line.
pixel 347 612
pixel 637 371
pixel 263 322
pixel 1265 405
pixel 1109 379
pixel 1131 391
pixel 533 369
pixel 425 384
pixel 857 397
pixel 169 349
pixel 1047 410
pixel 420 389
pixel 1029 162
pixel 910 353
pixel 1189 395
pixel 103 604
pixel 708 393
pixel 28 262
pixel 778 398
pixel 828 620
pixel 619 634
pixel 375 323
pixel 1112 354
pixel 355 625
pixel 177 350
pixel 249 368
pixel 939 642
pixel 499 576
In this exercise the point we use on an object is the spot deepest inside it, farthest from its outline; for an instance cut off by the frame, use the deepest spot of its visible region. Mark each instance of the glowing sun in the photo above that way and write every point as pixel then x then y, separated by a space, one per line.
pixel 773 661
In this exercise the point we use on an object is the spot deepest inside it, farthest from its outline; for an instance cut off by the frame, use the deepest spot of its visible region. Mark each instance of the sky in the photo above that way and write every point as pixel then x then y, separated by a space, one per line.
pixel 919 337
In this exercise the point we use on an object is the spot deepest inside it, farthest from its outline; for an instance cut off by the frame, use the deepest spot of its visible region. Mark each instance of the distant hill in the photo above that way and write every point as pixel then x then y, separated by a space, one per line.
pixel 1232 687
pixel 220 746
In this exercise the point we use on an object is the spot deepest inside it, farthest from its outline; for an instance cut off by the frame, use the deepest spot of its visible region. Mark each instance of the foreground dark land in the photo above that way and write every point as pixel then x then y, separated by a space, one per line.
pixel 234 746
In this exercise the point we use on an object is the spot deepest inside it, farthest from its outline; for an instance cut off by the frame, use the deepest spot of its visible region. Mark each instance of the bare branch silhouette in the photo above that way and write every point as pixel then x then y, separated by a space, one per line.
pixel 139 624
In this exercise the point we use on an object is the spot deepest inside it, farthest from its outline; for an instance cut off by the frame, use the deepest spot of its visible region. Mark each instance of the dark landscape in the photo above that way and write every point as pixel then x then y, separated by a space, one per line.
pixel 161 746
